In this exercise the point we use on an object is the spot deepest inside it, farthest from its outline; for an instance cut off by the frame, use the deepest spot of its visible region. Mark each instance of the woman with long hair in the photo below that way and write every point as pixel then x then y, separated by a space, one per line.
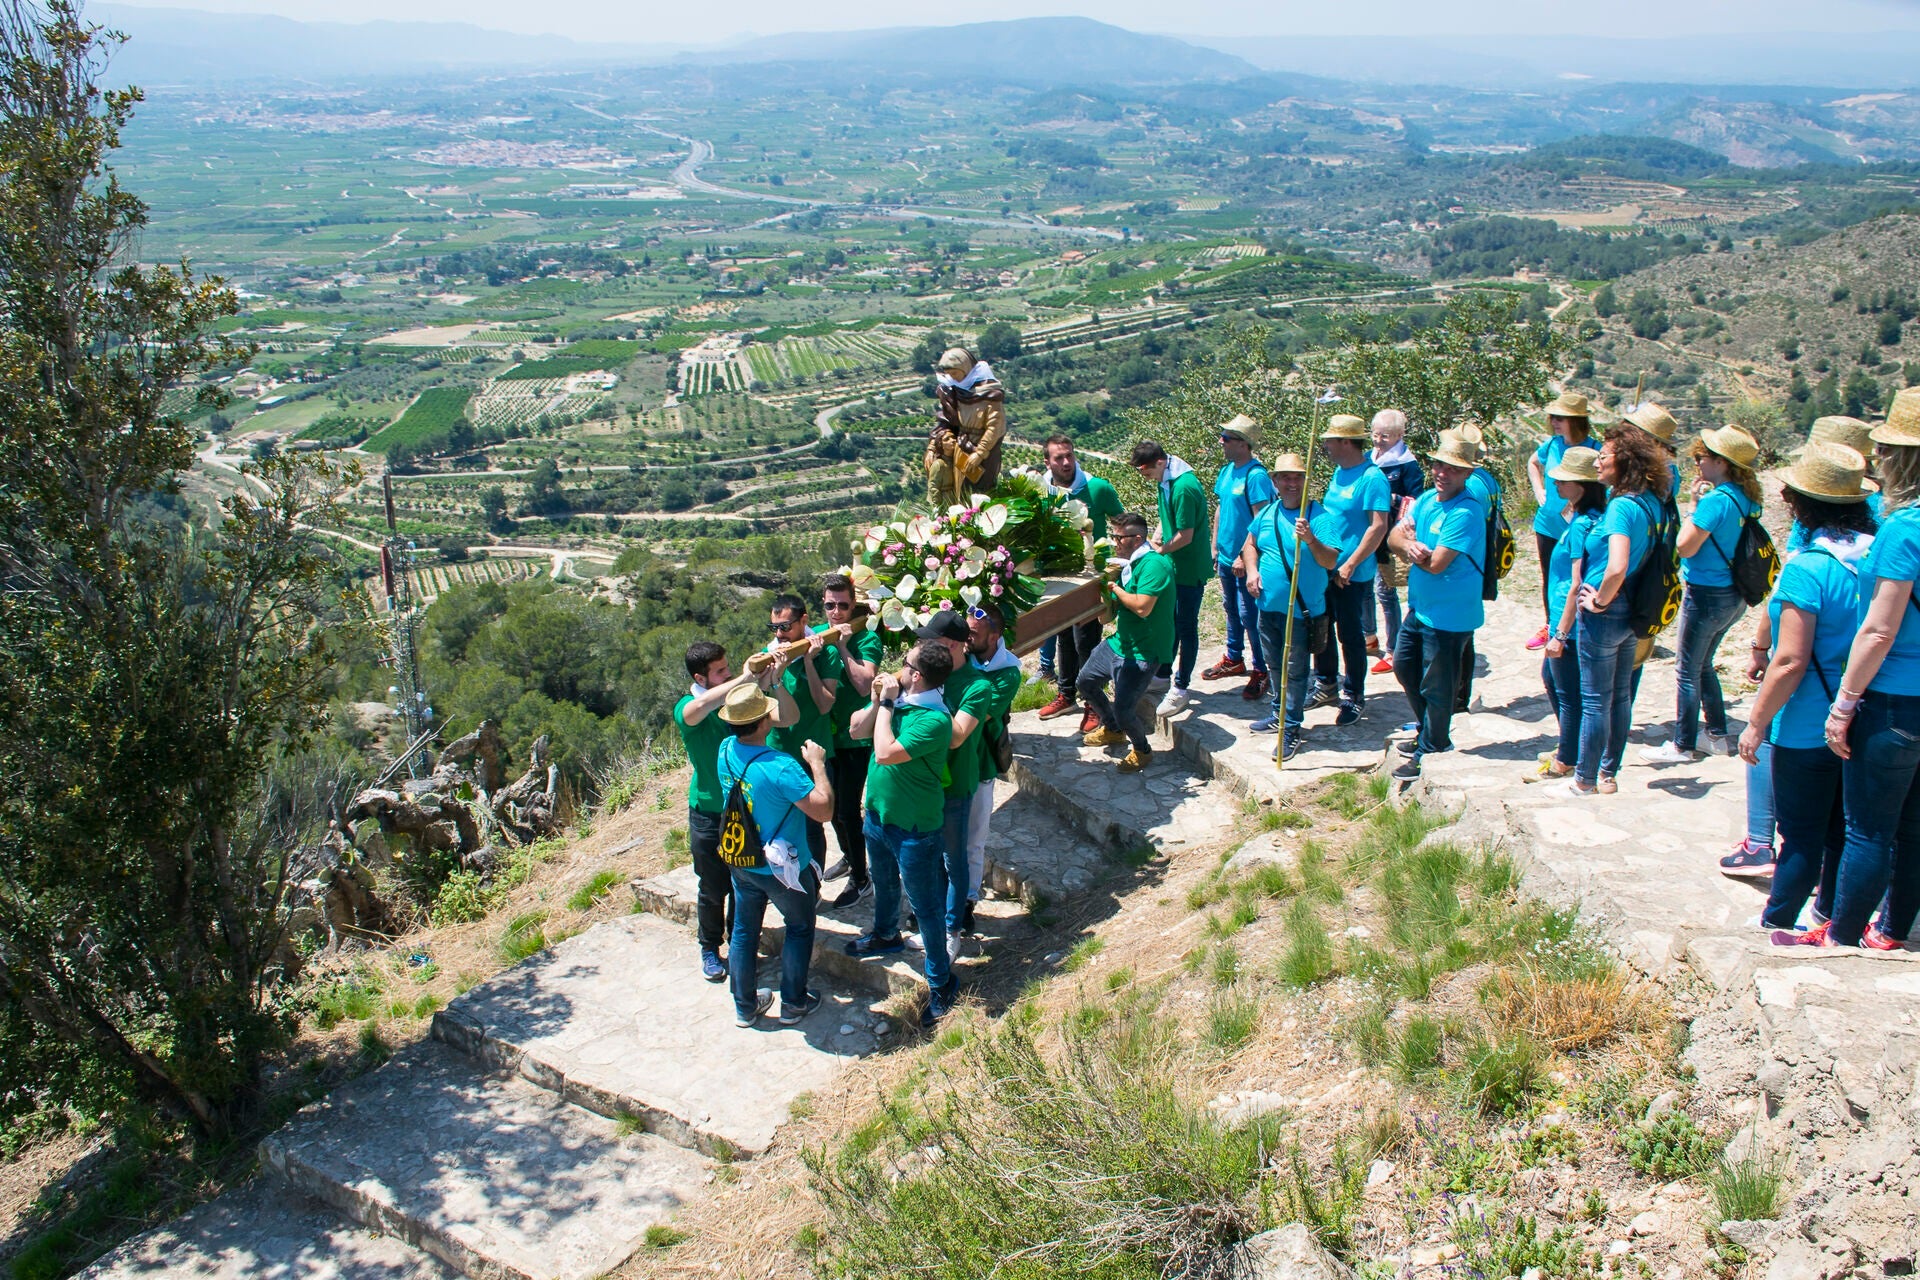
pixel 1813 614
pixel 1710 603
pixel 1581 502
pixel 1874 725
pixel 1634 470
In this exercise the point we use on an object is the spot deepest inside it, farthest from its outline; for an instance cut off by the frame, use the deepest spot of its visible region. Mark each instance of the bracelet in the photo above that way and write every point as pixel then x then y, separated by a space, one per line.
pixel 1760 648
pixel 1838 712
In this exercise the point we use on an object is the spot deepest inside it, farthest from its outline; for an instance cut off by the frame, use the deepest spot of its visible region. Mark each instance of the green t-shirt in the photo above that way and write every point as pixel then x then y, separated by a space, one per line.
pixel 912 795
pixel 1148 639
pixel 814 725
pixel 968 690
pixel 702 742
pixel 1183 505
pixel 865 646
pixel 1005 684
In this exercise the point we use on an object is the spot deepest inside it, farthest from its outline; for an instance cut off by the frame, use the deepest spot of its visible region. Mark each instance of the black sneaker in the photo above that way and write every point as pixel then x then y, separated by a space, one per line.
pixel 940 1003
pixel 838 869
pixel 790 1015
pixel 867 945
pixel 1409 769
pixel 1349 713
pixel 1291 744
pixel 1748 861
pixel 1323 695
pixel 1408 746
pixel 854 892
pixel 966 918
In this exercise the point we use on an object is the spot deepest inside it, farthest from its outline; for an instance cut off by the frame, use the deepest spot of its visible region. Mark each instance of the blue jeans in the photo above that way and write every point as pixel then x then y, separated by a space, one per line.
pixel 1346 642
pixel 1130 681
pixel 1561 676
pixel 1882 853
pixel 1046 652
pixel 913 860
pixel 1606 690
pixel 751 893
pixel 1427 663
pixel 1290 702
pixel 1388 598
pixel 1243 618
pixel 1760 806
pixel 1813 830
pixel 953 842
pixel 1706 615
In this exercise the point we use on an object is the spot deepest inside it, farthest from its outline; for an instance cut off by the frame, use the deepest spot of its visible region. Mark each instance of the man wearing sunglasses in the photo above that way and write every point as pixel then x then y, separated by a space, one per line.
pixel 970 699
pixel 1143 603
pixel 987 653
pixel 1183 510
pixel 812 679
pixel 859 656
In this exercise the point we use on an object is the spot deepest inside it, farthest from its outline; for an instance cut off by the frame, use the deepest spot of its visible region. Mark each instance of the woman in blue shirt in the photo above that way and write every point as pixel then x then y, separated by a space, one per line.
pixel 1577 490
pixel 1813 615
pixel 1710 604
pixel 1568 427
pixel 1874 725
pixel 1635 472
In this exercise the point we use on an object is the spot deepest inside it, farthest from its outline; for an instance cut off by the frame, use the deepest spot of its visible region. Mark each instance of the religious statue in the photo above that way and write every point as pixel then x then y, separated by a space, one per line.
pixel 970 420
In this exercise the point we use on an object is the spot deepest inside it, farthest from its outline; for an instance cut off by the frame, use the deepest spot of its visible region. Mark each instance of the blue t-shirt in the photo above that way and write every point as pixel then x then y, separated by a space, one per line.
pixel 1634 514
pixel 1721 513
pixel 1547 520
pixel 1484 490
pixel 773 783
pixel 1353 494
pixel 1274 539
pixel 1575 542
pixel 1799 536
pixel 1895 557
pixel 1449 600
pixel 1237 493
pixel 1815 582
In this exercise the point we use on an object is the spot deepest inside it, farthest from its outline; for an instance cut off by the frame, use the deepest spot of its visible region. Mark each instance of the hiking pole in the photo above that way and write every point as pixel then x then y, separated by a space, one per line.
pixel 1293 580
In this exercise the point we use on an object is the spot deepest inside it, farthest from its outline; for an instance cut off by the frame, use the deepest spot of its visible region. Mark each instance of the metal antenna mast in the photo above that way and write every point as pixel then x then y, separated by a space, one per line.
pixel 403 616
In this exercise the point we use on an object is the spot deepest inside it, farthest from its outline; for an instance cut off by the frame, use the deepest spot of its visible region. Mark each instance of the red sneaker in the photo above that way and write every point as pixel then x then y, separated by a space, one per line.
pixel 1224 668
pixel 1256 687
pixel 1540 638
pixel 1060 705
pixel 1878 941
pixel 1814 937
pixel 1089 722
pixel 1381 667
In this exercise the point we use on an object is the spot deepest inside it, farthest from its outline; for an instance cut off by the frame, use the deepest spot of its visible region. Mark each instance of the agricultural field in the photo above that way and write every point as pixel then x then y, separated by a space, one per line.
pixel 432 414
pixel 433 579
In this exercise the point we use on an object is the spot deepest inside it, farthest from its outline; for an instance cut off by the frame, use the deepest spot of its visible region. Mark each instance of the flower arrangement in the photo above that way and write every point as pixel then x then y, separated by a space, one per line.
pixel 987 548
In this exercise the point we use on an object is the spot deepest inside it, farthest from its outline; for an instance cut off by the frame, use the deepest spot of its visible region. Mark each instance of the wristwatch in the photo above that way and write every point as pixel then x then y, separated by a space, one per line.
pixel 887 703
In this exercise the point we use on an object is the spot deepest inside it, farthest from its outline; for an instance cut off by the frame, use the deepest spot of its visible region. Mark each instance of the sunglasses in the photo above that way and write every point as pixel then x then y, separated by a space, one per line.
pixel 978 613
pixel 908 666
pixel 834 606
pixel 777 627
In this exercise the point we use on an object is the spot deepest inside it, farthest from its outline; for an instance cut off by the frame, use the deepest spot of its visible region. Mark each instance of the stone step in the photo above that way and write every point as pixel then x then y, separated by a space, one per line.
pixel 618 1021
pixel 487 1172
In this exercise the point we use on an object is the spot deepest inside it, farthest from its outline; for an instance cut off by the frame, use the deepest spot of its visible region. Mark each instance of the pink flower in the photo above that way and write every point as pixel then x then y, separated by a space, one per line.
pixel 932 562
pixel 889 558
pixel 995 588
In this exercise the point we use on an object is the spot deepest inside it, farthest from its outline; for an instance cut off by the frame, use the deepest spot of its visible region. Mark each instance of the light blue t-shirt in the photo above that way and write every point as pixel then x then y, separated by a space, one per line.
pixel 1274 539
pixel 1449 600
pixel 1895 557
pixel 1547 520
pixel 1635 515
pixel 1798 536
pixel 1353 494
pixel 1815 582
pixel 1237 493
pixel 1575 542
pixel 773 783
pixel 1721 513
pixel 1484 490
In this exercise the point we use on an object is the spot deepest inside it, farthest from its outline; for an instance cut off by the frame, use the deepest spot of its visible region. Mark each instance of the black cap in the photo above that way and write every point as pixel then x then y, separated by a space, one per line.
pixel 944 625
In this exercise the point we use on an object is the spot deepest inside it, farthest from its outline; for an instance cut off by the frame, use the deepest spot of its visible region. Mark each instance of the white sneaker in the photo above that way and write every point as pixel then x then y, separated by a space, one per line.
pixel 1723 744
pixel 915 942
pixel 1666 753
pixel 1572 787
pixel 1174 703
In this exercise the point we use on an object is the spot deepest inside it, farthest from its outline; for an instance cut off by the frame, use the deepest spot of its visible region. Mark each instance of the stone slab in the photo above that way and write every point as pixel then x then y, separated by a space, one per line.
pixel 487 1172
pixel 265 1230
pixel 618 1021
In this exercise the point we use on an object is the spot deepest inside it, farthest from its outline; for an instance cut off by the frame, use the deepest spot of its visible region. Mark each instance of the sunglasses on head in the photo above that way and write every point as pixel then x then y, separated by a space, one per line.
pixel 977 612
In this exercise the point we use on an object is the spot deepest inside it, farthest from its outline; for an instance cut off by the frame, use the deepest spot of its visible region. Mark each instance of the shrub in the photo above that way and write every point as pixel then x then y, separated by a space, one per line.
pixel 524 937
pixel 1416 1050
pixel 1232 1016
pixel 1747 1189
pixel 1501 1073
pixel 1309 956
pixel 1668 1148
pixel 1517 1249
pixel 1327 1209
pixel 464 897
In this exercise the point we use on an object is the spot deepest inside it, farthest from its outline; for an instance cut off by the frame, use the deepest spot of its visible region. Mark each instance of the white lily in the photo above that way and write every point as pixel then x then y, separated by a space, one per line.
pixel 993 519
pixel 906 587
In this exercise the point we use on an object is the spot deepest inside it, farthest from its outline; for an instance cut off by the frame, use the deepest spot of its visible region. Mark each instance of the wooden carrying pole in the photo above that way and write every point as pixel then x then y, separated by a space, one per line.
pixel 758 662
pixel 1284 674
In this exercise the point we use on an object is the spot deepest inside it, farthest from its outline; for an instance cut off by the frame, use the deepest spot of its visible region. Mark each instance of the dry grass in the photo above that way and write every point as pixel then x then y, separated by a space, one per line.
pixel 1568 1013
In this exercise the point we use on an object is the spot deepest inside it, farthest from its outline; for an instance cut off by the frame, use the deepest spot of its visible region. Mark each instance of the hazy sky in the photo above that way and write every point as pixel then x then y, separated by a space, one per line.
pixel 665 21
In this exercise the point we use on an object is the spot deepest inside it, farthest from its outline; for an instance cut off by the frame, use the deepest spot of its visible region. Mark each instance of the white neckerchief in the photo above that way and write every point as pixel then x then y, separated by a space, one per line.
pixel 981 372
pixel 1849 552
pixel 1395 455
pixel 931 699
pixel 1176 467
pixel 1078 482
pixel 696 689
pixel 1126 571
pixel 999 660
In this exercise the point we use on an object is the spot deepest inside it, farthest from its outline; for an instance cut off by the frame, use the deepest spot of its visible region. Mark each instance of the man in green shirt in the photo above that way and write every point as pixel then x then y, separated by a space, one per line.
pixel 812 680
pixel 859 656
pixel 1062 655
pixel 1183 514
pixel 906 796
pixel 987 652
pixel 1142 640
pixel 702 732
pixel 970 697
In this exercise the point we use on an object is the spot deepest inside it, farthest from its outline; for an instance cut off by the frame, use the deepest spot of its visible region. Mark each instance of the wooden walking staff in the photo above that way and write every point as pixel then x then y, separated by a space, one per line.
pixel 1293 580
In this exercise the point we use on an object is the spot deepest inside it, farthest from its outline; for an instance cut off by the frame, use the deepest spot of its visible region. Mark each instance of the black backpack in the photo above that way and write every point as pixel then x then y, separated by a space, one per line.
pixel 1653 590
pixel 739 834
pixel 1500 548
pixel 1754 564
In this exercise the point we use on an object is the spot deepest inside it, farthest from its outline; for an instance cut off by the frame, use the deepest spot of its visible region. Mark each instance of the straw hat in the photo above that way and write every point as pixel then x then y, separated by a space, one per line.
pixel 1830 472
pixel 745 704
pixel 1472 434
pixel 1345 426
pixel 1654 420
pixel 1731 443
pixel 1568 404
pixel 1244 427
pixel 954 360
pixel 1835 429
pixel 1902 426
pixel 1579 464
pixel 1456 450
pixel 1289 462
